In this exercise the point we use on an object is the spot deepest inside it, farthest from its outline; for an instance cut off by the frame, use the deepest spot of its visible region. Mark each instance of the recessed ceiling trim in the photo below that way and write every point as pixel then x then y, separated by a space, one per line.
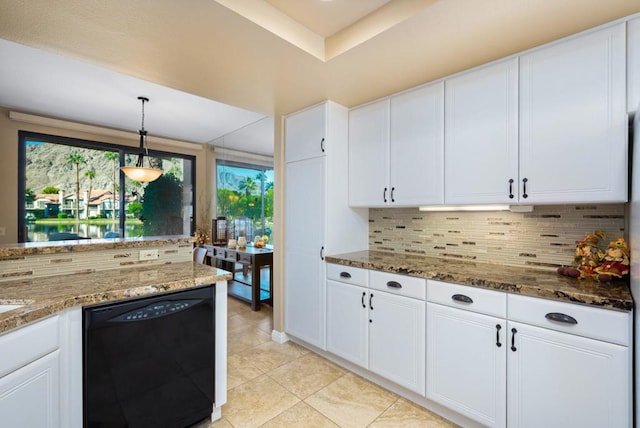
pixel 271 19
pixel 378 21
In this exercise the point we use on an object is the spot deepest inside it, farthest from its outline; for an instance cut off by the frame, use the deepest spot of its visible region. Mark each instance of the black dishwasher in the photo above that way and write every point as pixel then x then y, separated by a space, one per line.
pixel 149 362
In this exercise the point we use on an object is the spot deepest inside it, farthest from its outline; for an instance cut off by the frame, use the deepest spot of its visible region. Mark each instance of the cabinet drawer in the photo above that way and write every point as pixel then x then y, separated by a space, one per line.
pixel 474 299
pixel 403 285
pixel 348 274
pixel 596 323
pixel 26 344
pixel 245 258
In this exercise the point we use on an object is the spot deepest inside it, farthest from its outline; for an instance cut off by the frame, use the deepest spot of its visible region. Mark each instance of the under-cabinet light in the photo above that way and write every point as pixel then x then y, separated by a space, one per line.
pixel 512 208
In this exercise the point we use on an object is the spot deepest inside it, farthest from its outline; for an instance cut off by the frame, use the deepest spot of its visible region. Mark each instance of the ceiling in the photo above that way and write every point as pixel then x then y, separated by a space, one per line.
pixel 266 56
pixel 326 18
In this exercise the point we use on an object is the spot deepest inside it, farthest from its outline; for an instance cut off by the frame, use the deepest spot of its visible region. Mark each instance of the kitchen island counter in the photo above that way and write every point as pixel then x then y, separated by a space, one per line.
pixel 42 297
pixel 527 282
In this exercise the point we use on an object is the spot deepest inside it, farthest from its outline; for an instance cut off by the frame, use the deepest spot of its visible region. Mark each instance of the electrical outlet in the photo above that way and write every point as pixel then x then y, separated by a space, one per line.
pixel 149 254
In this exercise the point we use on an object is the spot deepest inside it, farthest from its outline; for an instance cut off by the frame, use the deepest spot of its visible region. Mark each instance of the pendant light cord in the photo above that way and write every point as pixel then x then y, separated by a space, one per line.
pixel 144 148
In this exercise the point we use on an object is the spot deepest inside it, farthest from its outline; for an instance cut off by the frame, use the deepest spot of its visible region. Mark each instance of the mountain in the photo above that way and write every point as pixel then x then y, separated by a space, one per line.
pixel 46 165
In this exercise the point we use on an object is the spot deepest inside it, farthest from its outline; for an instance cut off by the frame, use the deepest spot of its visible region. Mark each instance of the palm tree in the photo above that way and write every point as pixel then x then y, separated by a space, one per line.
pixel 76 160
pixel 115 158
pixel 91 174
pixel 249 186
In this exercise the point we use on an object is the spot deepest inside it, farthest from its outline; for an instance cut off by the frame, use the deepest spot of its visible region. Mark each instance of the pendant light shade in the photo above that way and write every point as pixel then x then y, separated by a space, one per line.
pixel 139 172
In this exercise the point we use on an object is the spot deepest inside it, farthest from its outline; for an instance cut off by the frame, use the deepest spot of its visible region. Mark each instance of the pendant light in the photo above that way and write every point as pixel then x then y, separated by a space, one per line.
pixel 139 172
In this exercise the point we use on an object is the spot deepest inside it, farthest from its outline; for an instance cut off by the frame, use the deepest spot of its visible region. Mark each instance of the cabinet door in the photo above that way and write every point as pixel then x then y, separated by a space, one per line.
pixel 369 155
pixel 305 134
pixel 481 135
pixel 560 380
pixel 573 121
pixel 304 240
pixel 397 339
pixel 417 147
pixel 633 65
pixel 347 322
pixel 466 363
pixel 29 396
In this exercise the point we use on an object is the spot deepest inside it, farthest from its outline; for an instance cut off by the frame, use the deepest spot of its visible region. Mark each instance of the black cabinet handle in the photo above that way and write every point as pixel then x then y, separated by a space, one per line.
pixel 392 190
pixel 362 300
pixel 498 328
pixel 322 145
pixel 563 318
pixel 322 253
pixel 513 339
pixel 384 195
pixel 345 275
pixel 371 301
pixel 511 188
pixel 462 298
pixel 394 284
pixel 524 188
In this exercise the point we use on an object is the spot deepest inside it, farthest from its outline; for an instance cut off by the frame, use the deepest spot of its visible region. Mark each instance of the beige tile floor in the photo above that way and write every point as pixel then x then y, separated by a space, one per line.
pixel 285 385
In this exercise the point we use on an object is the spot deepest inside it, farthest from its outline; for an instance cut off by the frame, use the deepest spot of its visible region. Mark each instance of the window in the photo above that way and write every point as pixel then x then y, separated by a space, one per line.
pixel 73 189
pixel 245 197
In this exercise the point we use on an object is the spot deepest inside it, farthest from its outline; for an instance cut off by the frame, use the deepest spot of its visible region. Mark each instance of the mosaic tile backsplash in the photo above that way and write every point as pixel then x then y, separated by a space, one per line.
pixel 44 265
pixel 544 238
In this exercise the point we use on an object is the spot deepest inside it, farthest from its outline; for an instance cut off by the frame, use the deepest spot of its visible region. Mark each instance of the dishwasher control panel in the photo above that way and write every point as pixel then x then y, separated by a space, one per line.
pixel 156 310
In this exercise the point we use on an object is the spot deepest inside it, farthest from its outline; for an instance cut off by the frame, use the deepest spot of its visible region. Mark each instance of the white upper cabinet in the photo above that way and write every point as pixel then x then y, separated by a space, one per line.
pixel 369 154
pixel 633 65
pixel 305 133
pixel 396 150
pixel 573 121
pixel 481 135
pixel 416 147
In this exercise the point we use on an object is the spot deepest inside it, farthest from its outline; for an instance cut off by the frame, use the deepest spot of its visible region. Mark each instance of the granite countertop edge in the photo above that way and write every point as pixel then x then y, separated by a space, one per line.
pixel 43 297
pixel 527 282
pixel 12 251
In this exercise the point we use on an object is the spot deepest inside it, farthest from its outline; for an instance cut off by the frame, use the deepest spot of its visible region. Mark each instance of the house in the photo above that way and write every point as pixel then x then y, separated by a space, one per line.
pixel 100 203
pixel 241 58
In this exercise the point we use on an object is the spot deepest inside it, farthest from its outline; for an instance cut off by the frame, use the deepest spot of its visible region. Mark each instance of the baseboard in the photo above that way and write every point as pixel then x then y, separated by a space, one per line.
pixel 279 336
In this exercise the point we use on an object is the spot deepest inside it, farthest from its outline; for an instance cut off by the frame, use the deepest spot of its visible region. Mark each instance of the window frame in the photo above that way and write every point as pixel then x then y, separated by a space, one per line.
pixel 24 136
pixel 246 165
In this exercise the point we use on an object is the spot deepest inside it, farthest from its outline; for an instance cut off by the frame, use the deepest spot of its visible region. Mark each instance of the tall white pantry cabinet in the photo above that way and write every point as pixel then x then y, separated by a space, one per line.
pixel 318 220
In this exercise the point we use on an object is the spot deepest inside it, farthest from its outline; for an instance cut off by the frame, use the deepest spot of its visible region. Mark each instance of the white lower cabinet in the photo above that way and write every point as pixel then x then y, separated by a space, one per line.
pixel 348 322
pixel 499 359
pixel 397 339
pixel 41 373
pixel 29 396
pixel 381 331
pixel 559 380
pixel 544 364
pixel 466 351
pixel 466 363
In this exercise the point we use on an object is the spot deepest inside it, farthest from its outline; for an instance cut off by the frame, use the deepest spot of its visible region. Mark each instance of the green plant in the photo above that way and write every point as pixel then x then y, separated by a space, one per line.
pixel 62 215
pixel 135 209
pixel 162 207
pixel 50 190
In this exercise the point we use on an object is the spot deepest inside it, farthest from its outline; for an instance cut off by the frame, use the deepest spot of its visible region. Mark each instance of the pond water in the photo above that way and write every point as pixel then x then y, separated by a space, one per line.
pixel 41 232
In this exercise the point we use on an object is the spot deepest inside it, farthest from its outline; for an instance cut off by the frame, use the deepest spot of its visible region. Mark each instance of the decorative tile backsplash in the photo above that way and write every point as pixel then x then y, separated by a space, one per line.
pixel 43 265
pixel 544 238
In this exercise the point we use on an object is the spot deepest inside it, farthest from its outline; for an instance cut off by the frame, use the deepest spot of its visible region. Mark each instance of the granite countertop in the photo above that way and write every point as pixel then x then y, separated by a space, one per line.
pixel 528 282
pixel 80 245
pixel 42 297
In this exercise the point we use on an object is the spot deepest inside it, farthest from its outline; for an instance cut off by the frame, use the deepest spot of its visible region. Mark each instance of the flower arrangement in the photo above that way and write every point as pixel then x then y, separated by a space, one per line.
pixel 201 237
pixel 594 262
